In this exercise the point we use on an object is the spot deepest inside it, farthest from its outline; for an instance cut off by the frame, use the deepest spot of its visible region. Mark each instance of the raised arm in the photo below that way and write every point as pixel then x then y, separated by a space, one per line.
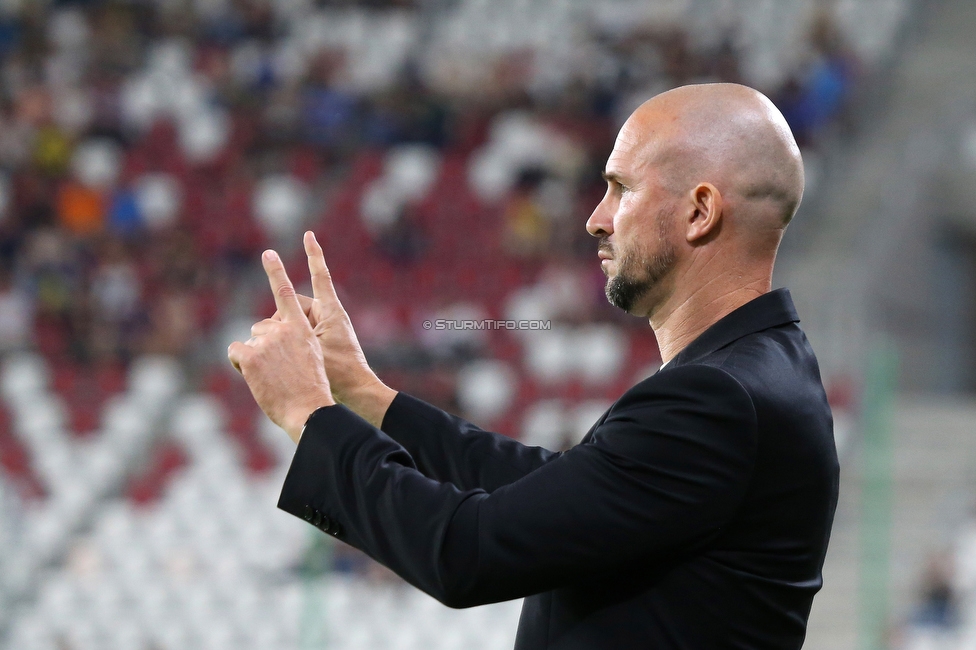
pixel 662 474
pixel 449 449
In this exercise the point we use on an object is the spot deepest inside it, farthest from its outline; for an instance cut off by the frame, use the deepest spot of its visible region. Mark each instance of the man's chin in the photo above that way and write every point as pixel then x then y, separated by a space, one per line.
pixel 622 294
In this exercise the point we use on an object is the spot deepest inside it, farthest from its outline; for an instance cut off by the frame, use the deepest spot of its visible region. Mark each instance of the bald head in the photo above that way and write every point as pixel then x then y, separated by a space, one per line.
pixel 701 184
pixel 726 134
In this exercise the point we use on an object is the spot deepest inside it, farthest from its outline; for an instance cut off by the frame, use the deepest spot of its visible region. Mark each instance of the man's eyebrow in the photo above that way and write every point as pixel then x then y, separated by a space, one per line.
pixel 612 177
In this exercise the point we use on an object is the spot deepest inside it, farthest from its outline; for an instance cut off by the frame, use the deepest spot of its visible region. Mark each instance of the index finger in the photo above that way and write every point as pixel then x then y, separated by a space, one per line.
pixel 281 286
pixel 322 287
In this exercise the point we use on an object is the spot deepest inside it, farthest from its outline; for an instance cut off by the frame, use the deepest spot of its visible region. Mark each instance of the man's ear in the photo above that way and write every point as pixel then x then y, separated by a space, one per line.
pixel 706 216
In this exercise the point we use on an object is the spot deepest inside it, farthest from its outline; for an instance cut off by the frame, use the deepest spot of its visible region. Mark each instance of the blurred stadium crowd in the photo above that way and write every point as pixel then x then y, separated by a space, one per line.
pixel 446 153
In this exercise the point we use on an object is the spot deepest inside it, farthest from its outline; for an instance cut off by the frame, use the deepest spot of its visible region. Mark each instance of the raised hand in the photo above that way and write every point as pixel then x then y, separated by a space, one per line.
pixel 282 364
pixel 352 381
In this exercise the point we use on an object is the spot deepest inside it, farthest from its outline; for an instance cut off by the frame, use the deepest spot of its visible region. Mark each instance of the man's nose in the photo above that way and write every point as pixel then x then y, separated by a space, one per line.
pixel 600 223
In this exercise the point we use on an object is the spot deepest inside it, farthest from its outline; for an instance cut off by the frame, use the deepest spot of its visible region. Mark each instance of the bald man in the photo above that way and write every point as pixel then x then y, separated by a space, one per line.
pixel 695 514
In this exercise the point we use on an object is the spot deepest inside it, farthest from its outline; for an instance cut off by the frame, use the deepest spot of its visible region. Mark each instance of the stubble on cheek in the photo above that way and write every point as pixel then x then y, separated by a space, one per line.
pixel 640 272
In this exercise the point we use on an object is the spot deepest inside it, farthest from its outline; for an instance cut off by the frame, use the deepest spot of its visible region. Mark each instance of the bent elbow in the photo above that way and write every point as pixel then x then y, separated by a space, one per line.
pixel 457 599
pixel 461 596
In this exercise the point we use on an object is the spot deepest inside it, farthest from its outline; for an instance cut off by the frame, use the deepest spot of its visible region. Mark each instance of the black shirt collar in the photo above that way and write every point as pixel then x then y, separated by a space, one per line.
pixel 768 310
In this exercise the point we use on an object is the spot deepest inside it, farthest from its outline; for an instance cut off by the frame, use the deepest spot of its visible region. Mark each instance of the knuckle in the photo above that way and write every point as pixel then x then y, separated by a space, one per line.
pixel 285 290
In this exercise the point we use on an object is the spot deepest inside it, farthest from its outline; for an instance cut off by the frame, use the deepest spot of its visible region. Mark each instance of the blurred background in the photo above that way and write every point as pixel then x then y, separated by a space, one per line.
pixel 447 154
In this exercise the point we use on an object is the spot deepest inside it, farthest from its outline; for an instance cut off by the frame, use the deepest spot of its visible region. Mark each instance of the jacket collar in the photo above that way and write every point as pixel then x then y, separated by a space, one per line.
pixel 768 310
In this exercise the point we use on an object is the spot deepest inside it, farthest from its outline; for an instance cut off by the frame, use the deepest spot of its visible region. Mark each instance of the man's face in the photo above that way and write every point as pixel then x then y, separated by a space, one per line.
pixel 635 222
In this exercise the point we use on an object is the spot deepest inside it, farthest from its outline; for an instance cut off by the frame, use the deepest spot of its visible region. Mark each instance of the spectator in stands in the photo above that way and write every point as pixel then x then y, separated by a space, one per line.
pixel 407 112
pixel 81 210
pixel 938 607
pixel 817 95
pixel 53 270
pixel 527 228
pixel 170 279
pixel 402 241
pixel 116 290
pixel 330 113
pixel 173 324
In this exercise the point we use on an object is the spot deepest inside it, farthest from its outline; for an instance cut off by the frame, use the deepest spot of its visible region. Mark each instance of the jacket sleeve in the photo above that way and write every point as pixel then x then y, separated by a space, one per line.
pixel 665 471
pixel 451 450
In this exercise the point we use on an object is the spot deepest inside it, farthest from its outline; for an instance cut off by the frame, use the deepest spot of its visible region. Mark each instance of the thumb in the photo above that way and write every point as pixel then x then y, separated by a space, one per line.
pixel 236 353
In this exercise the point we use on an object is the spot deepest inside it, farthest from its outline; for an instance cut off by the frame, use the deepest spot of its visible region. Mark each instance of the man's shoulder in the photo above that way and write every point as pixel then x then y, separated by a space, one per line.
pixel 774 362
pixel 762 360
pixel 687 387
pixel 779 372
pixel 761 365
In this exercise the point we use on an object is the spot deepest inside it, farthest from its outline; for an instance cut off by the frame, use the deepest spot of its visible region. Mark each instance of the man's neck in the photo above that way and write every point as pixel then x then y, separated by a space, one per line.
pixel 684 317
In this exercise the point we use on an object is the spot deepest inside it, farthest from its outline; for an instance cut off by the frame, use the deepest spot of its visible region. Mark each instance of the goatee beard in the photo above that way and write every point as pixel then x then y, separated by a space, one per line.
pixel 637 277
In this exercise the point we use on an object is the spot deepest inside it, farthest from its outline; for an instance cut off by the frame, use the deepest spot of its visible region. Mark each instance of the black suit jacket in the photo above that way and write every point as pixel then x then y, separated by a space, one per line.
pixel 695 514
